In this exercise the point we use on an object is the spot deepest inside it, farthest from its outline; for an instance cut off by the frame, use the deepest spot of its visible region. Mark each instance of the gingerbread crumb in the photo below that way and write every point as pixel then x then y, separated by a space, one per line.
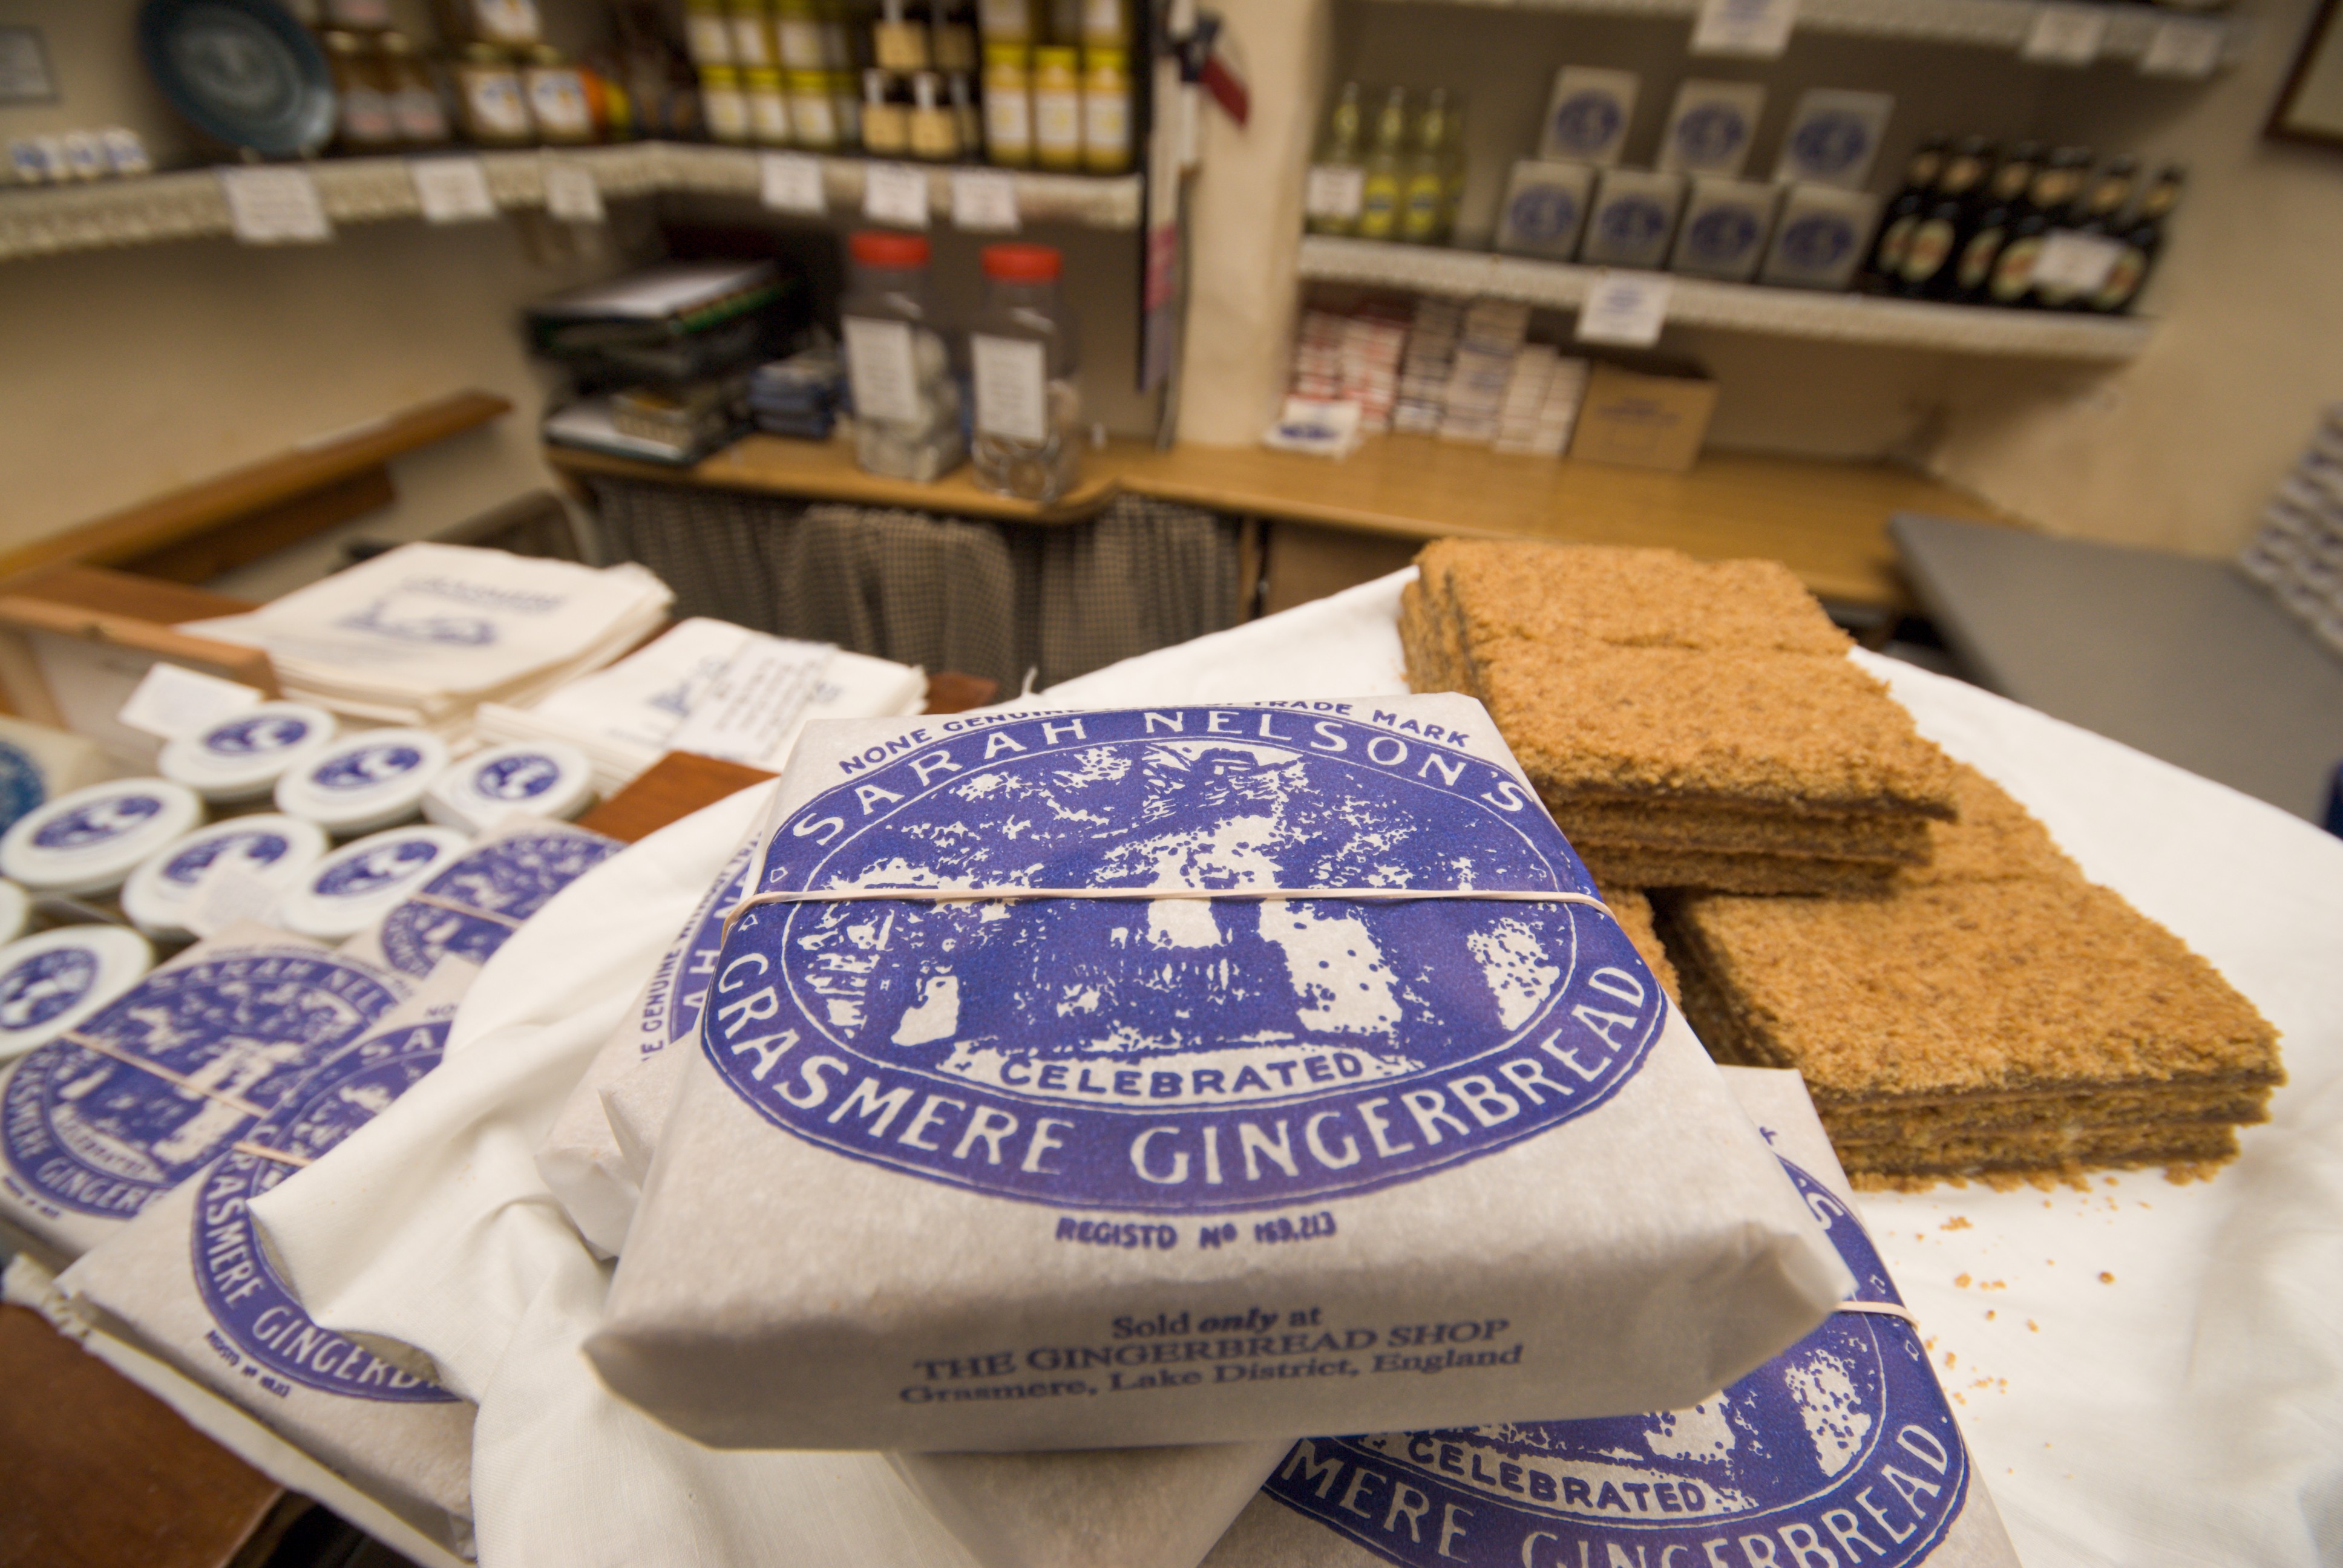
pixel 1957 1222
pixel 2106 1278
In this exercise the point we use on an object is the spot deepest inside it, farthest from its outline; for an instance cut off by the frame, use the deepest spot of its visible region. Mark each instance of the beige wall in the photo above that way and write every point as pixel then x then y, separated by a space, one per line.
pixel 2178 448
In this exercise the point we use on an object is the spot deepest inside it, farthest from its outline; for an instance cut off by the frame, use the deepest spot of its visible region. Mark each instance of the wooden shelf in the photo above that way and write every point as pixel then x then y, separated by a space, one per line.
pixel 1980 24
pixel 188 204
pixel 1735 307
pixel 1828 521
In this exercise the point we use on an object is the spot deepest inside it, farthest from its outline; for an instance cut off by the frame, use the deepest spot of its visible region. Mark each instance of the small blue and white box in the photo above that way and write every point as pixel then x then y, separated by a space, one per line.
pixel 1821 237
pixel 1724 227
pixel 1635 217
pixel 1711 128
pixel 365 782
pixel 531 777
pixel 1834 136
pixel 1545 209
pixel 1586 120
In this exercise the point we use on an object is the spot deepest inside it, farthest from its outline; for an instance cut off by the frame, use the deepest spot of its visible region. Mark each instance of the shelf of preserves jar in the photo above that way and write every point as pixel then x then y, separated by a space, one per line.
pixel 1981 24
pixel 1735 307
pixel 188 204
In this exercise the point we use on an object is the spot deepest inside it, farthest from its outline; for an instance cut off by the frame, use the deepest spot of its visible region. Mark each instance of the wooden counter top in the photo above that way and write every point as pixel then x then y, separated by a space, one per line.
pixel 1828 521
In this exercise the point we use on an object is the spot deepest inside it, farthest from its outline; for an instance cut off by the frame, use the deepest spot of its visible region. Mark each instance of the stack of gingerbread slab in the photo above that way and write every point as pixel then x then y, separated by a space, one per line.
pixel 1688 724
pixel 1994 1014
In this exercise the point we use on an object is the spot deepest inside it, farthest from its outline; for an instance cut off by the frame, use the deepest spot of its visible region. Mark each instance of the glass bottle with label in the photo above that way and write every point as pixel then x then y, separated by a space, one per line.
pixel 907 407
pixel 1385 173
pixel 724 104
pixel 769 109
pixel 494 110
pixel 813 116
pixel 898 40
pixel 1005 22
pixel 797 37
pixel 935 130
pixel 953 41
pixel 1423 195
pixel 1057 108
pixel 512 23
pixel 706 32
pixel 1332 195
pixel 2061 179
pixel 1929 257
pixel 1106 23
pixel 2093 217
pixel 2142 242
pixel 1106 111
pixel 1902 215
pixel 1008 106
pixel 885 116
pixel 557 97
pixel 1022 359
pixel 752 35
pixel 363 122
pixel 415 111
pixel 2005 201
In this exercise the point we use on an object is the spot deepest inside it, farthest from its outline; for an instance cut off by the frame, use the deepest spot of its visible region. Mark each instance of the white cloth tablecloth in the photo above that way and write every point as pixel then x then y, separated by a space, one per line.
pixel 2149 1374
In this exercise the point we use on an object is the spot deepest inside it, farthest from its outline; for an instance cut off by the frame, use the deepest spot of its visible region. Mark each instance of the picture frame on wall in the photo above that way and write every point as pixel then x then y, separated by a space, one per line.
pixel 2309 107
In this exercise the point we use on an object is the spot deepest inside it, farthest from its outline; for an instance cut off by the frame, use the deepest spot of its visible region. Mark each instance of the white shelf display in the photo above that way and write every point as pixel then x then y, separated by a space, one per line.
pixel 2130 31
pixel 190 203
pixel 1733 307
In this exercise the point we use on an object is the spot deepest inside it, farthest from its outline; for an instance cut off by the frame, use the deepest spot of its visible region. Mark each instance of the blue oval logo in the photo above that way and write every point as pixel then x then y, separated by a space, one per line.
pixel 1585 123
pixel 1817 241
pixel 1176 1055
pixel 1542 212
pixel 365 767
pixel 377 870
pixel 521 778
pixel 1841 1449
pixel 470 908
pixel 1721 235
pixel 99 1134
pixel 269 733
pixel 246 1297
pixel 96 822
pixel 261 849
pixel 1711 134
pixel 1827 144
pixel 23 786
pixel 43 985
pixel 1631 221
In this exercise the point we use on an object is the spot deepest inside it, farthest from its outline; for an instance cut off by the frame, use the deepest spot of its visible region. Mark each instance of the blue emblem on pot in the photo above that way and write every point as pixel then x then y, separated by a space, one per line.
pixel 376 869
pixel 23 786
pixel 365 767
pixel 1584 124
pixel 44 985
pixel 519 778
pixel 259 737
pixel 1840 1449
pixel 94 1132
pixel 246 1297
pixel 470 908
pixel 1829 144
pixel 186 867
pixel 1180 1055
pixel 1721 235
pixel 1710 135
pixel 96 822
pixel 1818 242
pixel 1542 213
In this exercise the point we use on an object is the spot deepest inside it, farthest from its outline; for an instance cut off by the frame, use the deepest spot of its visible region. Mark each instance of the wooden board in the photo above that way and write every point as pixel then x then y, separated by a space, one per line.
pixel 100 1473
pixel 669 790
pixel 1826 520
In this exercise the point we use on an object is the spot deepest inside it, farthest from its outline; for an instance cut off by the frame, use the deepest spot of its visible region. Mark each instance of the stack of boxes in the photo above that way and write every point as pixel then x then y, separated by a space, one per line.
pixel 2298 552
pixel 1423 370
pixel 1493 330
pixel 1541 402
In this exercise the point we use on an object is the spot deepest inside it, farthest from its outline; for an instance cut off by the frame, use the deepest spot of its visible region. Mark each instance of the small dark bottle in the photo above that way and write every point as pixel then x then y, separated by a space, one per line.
pixel 2012 280
pixel 2005 201
pixel 2096 216
pixel 1930 254
pixel 2141 244
pixel 1902 215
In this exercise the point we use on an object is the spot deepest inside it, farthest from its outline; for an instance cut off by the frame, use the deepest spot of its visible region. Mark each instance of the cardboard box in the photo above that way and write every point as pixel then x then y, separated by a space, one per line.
pixel 1650 411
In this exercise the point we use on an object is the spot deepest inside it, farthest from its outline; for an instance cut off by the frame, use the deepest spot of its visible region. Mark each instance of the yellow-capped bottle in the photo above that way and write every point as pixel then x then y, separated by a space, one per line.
pixel 1385 183
pixel 1423 195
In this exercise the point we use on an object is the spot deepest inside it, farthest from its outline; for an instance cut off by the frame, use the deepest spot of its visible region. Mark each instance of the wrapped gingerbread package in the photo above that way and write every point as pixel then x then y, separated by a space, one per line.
pixel 1842 1449
pixel 1188 1075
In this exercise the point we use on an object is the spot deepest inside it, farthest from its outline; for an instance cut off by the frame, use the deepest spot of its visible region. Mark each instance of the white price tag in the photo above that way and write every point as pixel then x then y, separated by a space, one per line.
pixel 170 701
pixel 751 708
pixel 451 190
pixel 895 194
pixel 1012 388
pixel 228 894
pixel 882 369
pixel 1625 307
pixel 2182 48
pixel 1334 191
pixel 983 200
pixel 791 182
pixel 1753 27
pixel 570 193
pixel 2074 263
pixel 275 206
pixel 2065 36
